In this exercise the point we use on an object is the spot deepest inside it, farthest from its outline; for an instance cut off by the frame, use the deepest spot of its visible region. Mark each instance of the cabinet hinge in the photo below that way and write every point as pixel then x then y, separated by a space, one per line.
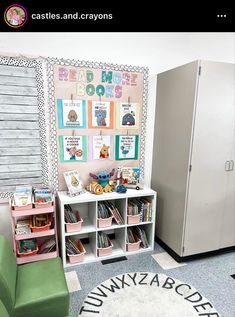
pixel 199 70
pixel 190 168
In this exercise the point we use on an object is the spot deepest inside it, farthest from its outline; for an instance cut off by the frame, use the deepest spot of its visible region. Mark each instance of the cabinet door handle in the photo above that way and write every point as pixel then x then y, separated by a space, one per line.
pixel 231 165
pixel 227 166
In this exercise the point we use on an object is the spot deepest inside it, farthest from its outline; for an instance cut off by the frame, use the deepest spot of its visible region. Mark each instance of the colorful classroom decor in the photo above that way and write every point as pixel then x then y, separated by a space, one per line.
pixel 100 114
pixel 127 147
pixel 101 147
pixel 73 148
pixel 71 113
pixel 127 115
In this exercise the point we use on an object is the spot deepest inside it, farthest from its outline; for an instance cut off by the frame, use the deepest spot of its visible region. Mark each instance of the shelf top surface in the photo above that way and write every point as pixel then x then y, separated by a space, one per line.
pixel 87 196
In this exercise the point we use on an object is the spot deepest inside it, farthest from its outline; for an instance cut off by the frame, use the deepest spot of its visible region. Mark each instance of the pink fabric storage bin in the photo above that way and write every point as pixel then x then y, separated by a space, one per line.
pixel 72 227
pixel 133 219
pixel 105 251
pixel 76 258
pixel 133 246
pixel 104 222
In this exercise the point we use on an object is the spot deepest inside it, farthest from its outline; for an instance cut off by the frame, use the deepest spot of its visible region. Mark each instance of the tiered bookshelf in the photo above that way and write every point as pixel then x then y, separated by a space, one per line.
pixel 45 234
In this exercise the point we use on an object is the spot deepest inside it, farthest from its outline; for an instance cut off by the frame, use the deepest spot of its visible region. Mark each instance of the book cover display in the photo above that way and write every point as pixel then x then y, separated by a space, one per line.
pixel 71 114
pixel 74 183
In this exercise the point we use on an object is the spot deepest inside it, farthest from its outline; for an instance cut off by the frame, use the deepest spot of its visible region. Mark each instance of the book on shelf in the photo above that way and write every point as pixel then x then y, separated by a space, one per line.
pixel 71 246
pixel 40 220
pixel 42 195
pixel 22 196
pixel 115 212
pixel 22 226
pixel 27 245
pixel 74 183
pixel 103 210
pixel 140 206
pixel 71 216
pixel 103 241
pixel 47 246
pixel 23 230
pixel 140 233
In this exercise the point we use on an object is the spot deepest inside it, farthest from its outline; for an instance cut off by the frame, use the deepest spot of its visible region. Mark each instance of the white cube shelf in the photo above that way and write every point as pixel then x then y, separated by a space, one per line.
pixel 87 205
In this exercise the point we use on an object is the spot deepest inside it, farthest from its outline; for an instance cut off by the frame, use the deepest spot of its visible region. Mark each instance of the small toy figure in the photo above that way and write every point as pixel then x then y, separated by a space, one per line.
pixel 104 152
pixel 121 189
pixel 95 188
pixel 108 189
pixel 103 177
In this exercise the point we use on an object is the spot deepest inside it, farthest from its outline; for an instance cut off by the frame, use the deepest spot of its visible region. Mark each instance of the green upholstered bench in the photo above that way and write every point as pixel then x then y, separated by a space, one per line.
pixel 32 290
pixel 4 313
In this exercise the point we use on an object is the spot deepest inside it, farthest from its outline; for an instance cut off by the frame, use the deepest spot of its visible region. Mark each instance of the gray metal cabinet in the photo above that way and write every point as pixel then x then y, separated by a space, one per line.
pixel 193 160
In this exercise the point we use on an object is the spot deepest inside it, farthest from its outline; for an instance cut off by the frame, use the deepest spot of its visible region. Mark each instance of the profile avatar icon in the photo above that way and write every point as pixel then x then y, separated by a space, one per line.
pixel 15 15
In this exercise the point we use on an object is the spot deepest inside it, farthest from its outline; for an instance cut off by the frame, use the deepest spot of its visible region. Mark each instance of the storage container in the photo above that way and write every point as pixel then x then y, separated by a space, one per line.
pixel 133 246
pixel 75 258
pixel 104 222
pixel 105 251
pixel 133 219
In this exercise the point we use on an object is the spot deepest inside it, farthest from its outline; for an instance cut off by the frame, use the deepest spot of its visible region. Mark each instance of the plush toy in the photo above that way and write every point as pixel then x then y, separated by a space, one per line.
pixel 104 151
pixel 95 188
pixel 103 177
pixel 108 189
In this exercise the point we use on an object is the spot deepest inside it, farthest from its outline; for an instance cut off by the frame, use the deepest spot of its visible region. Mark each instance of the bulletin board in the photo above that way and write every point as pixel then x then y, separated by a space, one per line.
pixel 24 137
pixel 98 117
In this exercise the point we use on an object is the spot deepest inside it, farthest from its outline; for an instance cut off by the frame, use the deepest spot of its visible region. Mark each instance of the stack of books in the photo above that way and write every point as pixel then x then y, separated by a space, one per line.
pixel 72 246
pixel 106 208
pixel 140 233
pixel 47 246
pixel 23 226
pixel 103 241
pixel 42 195
pixel 70 216
pixel 140 206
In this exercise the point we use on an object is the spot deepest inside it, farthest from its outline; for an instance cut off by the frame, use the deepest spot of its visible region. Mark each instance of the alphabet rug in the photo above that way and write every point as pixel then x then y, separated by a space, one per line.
pixel 144 294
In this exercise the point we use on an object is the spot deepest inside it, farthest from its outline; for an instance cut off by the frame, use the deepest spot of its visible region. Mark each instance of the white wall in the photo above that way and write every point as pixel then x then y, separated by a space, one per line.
pixel 158 51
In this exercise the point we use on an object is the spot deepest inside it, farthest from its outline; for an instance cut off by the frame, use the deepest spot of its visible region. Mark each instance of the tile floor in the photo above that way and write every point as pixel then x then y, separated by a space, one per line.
pixel 211 276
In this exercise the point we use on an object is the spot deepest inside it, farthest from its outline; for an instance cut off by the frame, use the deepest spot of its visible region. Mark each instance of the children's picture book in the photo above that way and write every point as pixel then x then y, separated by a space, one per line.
pixel 27 245
pixel 127 115
pixel 101 147
pixel 42 194
pixel 131 174
pixel 74 183
pixel 100 114
pixel 73 148
pixel 127 147
pixel 22 196
pixel 71 114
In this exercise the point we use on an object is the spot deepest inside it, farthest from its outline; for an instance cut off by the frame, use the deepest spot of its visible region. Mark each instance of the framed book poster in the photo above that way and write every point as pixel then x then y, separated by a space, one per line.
pixel 101 147
pixel 71 114
pixel 127 115
pixel 100 114
pixel 127 147
pixel 73 148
